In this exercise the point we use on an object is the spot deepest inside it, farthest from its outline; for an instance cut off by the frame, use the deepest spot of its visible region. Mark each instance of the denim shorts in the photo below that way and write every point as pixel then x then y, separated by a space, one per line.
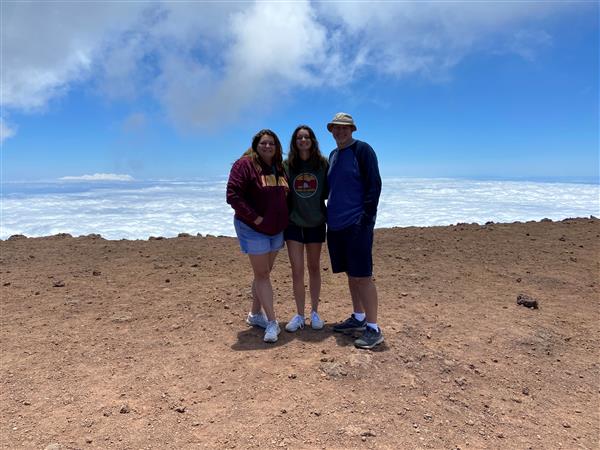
pixel 254 243
pixel 305 235
pixel 350 249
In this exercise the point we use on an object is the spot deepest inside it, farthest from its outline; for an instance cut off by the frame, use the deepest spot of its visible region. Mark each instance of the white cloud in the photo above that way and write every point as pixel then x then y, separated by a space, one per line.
pixel 208 63
pixel 6 131
pixel 136 211
pixel 135 122
pixel 48 46
pixel 99 177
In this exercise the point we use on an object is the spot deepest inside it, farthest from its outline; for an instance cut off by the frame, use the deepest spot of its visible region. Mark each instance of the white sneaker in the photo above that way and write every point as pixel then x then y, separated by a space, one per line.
pixel 272 331
pixel 316 322
pixel 257 320
pixel 294 324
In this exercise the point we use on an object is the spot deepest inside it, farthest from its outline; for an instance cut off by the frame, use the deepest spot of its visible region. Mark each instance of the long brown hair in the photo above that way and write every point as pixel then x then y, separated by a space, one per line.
pixel 252 152
pixel 316 159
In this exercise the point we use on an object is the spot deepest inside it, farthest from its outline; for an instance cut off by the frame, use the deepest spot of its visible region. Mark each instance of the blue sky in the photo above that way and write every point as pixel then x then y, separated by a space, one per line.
pixel 175 90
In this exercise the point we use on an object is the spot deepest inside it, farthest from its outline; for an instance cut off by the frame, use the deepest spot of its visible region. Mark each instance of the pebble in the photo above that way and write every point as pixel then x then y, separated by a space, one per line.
pixel 53 446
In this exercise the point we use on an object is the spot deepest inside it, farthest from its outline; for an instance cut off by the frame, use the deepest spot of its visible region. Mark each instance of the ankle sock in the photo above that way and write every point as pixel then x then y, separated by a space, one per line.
pixel 359 316
pixel 373 326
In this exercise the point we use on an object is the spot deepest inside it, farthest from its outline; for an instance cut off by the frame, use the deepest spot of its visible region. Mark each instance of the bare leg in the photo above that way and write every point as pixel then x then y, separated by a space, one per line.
pixel 255 302
pixel 313 262
pixel 366 292
pixel 296 254
pixel 355 294
pixel 261 265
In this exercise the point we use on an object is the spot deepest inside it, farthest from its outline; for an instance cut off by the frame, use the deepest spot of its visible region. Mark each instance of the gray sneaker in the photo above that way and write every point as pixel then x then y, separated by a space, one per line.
pixel 316 322
pixel 257 320
pixel 272 331
pixel 350 324
pixel 295 324
pixel 369 339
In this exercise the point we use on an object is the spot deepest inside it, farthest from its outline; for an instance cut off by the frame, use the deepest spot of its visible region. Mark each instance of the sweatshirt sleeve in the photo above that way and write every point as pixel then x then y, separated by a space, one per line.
pixel 239 181
pixel 371 179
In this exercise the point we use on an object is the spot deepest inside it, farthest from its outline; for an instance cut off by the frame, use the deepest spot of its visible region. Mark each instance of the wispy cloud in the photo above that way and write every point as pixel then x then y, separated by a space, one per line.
pixel 6 131
pixel 99 177
pixel 207 64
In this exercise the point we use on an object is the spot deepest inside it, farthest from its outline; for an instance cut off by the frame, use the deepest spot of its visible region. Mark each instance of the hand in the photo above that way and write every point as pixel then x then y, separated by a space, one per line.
pixel 258 220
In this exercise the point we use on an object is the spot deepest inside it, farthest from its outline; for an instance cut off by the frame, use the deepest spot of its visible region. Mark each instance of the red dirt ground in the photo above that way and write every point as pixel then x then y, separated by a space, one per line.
pixel 142 344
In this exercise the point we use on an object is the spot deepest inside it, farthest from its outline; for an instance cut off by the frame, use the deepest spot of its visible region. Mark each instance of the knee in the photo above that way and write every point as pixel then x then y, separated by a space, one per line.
pixel 360 282
pixel 262 274
pixel 313 269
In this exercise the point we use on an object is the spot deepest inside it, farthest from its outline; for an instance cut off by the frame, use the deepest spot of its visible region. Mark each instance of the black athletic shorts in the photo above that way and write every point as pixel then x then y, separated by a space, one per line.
pixel 305 235
pixel 351 248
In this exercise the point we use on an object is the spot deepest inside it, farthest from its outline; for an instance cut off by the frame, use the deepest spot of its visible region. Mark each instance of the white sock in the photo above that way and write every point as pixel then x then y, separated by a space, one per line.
pixel 373 325
pixel 359 316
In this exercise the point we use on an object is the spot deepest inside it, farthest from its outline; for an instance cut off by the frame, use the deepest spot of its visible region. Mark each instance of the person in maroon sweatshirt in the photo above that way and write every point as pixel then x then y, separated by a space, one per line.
pixel 257 189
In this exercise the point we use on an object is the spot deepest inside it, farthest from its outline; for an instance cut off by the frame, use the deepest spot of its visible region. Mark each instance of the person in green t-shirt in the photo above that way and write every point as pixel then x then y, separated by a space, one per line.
pixel 306 169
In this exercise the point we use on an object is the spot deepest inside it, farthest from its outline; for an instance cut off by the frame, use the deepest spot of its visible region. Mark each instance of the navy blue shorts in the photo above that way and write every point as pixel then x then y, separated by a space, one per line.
pixel 305 235
pixel 351 248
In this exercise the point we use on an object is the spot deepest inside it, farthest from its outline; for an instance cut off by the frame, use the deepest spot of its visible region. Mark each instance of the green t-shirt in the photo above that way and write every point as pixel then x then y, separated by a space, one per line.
pixel 308 191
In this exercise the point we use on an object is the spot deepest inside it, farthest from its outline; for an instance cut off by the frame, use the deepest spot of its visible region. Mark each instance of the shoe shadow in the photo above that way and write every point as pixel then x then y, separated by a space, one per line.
pixel 346 339
pixel 252 338
pixel 309 335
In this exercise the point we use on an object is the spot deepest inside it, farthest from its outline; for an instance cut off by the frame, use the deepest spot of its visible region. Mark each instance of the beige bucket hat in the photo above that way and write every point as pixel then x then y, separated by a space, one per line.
pixel 342 118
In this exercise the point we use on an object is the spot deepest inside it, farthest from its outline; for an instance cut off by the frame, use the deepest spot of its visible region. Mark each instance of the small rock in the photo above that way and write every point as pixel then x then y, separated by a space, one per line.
pixel 88 441
pixel 525 391
pixel 58 283
pixel 53 446
pixel 96 273
pixel 180 409
pixel 292 376
pixel 427 416
pixel 527 301
pixel 566 425
pixel 125 409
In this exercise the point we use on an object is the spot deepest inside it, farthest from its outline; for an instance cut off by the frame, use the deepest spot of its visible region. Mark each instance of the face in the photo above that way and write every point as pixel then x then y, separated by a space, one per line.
pixel 266 148
pixel 303 143
pixel 342 134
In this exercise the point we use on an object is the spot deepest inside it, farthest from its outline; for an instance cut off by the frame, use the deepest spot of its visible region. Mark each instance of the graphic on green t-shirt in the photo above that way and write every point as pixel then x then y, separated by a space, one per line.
pixel 305 185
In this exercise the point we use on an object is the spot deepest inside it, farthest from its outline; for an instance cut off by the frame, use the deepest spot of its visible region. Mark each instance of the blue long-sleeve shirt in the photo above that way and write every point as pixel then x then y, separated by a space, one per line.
pixel 354 185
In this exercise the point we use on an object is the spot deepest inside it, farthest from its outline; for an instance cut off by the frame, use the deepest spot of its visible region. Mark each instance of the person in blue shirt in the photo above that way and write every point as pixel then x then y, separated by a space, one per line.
pixel 354 189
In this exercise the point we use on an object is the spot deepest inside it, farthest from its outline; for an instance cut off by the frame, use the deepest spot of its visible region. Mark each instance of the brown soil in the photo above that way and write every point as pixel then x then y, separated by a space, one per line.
pixel 143 344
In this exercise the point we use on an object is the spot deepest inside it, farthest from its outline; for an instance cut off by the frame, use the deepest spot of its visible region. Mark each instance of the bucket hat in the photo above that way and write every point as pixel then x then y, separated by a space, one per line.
pixel 342 118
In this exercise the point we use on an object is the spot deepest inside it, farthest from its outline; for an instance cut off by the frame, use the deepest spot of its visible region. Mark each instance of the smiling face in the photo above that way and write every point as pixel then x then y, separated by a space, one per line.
pixel 266 148
pixel 342 134
pixel 304 144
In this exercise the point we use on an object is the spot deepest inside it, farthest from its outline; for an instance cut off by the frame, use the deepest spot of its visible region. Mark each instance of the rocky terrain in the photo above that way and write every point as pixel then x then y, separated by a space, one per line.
pixel 143 344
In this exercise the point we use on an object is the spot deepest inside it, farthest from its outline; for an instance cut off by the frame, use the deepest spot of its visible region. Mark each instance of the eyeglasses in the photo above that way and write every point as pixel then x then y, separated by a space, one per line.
pixel 303 138
pixel 266 144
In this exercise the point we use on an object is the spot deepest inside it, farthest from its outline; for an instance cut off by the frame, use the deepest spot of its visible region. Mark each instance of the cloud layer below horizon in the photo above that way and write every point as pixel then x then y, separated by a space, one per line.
pixel 137 210
pixel 205 64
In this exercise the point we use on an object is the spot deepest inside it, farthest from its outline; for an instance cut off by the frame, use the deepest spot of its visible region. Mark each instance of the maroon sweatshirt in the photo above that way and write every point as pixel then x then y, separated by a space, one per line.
pixel 254 190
